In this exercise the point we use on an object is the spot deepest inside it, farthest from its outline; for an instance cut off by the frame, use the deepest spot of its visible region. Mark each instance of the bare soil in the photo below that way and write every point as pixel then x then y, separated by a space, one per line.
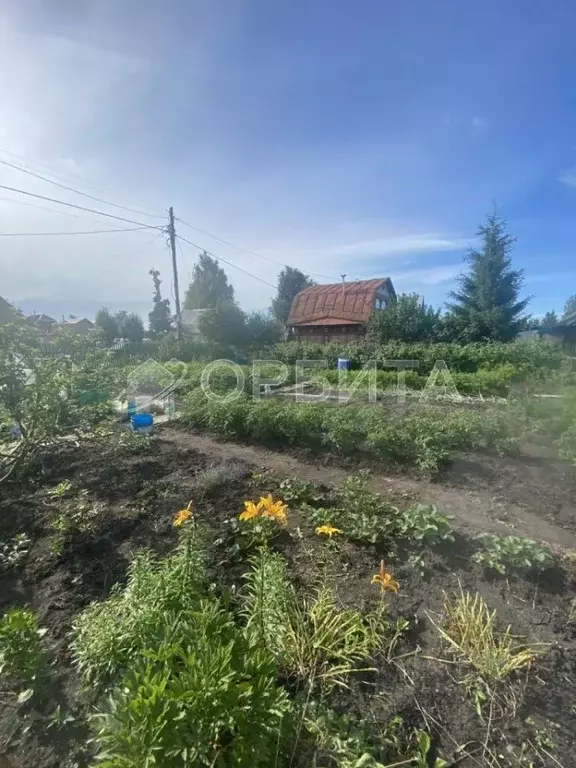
pixel 138 494
pixel 532 496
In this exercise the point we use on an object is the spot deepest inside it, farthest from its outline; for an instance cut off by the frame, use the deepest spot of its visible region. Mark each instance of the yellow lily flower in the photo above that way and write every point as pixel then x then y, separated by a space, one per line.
pixel 327 530
pixel 182 515
pixel 251 511
pixel 274 509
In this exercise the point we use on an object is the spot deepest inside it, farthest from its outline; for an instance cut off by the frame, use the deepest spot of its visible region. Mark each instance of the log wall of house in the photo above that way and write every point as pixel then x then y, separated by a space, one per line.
pixel 324 333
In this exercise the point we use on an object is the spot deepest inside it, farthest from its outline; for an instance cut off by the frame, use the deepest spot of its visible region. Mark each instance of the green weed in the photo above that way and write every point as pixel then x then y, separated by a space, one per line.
pixel 21 653
pixel 109 635
pixel 506 554
pixel 200 696
pixel 314 638
pixel 469 627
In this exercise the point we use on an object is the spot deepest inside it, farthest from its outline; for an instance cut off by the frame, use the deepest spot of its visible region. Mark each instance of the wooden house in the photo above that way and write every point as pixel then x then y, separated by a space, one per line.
pixel 340 311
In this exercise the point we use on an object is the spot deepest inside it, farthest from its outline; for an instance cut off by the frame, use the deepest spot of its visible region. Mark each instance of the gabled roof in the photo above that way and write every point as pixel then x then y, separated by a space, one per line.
pixel 349 302
pixel 40 319
pixel 77 321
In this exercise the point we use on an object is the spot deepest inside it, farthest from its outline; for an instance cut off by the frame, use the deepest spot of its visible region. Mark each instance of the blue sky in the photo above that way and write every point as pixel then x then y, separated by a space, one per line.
pixel 368 139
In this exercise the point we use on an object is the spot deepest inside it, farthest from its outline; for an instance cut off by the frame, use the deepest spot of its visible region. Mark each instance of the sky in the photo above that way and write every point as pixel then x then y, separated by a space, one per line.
pixel 368 139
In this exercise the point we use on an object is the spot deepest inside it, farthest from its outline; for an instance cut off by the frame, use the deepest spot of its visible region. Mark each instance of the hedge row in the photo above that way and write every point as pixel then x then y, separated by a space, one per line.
pixel 424 437
pixel 528 358
pixel 485 382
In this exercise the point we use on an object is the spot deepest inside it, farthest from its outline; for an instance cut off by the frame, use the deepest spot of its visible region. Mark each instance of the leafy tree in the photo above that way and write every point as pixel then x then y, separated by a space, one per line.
pixel 408 319
pixel 107 325
pixel 209 286
pixel 570 305
pixel 262 330
pixel 159 318
pixel 48 396
pixel 224 324
pixel 131 327
pixel 7 312
pixel 550 318
pixel 487 305
pixel 290 282
pixel 120 316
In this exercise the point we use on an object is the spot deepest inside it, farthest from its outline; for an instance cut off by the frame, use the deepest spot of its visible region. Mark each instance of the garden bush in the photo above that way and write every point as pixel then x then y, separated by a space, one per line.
pixel 425 437
pixel 109 635
pixel 200 695
pixel 528 358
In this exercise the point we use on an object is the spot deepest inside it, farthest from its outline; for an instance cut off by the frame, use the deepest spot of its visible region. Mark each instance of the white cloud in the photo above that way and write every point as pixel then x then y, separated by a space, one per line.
pixel 78 107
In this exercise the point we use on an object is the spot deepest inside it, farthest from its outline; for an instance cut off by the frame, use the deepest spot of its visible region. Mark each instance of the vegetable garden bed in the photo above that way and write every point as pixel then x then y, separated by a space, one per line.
pixel 345 629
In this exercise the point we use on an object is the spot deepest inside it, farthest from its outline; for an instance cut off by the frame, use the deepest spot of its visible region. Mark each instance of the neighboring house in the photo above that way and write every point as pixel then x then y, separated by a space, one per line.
pixel 563 332
pixel 78 325
pixel 191 320
pixel 338 312
pixel 42 322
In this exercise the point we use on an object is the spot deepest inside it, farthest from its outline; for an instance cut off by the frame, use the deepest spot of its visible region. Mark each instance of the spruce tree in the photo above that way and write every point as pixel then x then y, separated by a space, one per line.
pixel 487 306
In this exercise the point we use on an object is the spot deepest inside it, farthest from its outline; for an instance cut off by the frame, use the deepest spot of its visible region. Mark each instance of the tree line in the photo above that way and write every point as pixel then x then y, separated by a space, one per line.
pixel 486 305
pixel 129 325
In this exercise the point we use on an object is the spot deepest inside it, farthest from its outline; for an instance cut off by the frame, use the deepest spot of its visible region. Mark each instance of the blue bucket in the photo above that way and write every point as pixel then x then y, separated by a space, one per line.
pixel 343 364
pixel 142 422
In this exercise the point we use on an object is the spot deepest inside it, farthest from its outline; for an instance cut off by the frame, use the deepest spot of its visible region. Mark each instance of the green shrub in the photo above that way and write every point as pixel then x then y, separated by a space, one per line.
pixel 486 382
pixel 425 437
pixel 200 696
pixel 506 554
pixel 295 490
pixel 425 525
pixel 529 359
pixel 109 635
pixel 360 514
pixel 21 652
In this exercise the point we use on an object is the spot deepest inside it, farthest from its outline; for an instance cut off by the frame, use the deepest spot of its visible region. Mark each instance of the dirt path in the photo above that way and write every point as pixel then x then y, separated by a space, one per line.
pixel 474 507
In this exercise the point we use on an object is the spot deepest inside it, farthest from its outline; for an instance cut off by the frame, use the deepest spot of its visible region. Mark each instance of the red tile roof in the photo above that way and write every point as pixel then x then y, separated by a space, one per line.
pixel 348 302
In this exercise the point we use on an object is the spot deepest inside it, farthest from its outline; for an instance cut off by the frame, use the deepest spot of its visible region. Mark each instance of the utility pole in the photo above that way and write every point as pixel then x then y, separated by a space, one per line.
pixel 172 237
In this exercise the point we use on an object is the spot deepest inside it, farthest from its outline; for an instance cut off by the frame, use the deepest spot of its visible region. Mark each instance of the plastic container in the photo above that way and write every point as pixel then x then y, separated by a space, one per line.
pixel 343 364
pixel 142 423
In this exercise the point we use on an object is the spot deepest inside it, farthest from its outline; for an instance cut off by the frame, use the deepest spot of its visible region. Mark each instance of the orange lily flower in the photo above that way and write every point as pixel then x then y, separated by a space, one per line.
pixel 182 515
pixel 385 579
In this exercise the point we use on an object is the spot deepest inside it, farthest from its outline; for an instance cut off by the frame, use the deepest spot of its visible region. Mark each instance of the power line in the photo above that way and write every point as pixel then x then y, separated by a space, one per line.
pixel 244 250
pixel 71 189
pixel 78 207
pixel 76 191
pixel 93 232
pixel 49 210
pixel 230 264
